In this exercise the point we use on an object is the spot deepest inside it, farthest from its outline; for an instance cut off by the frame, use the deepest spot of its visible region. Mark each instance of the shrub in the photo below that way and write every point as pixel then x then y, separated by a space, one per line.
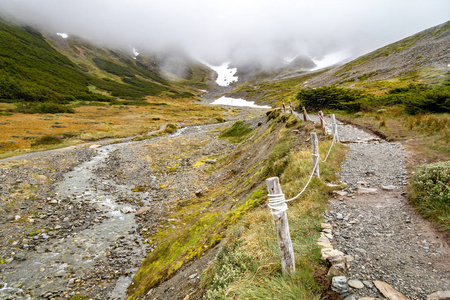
pixel 230 264
pixel 333 98
pixel 430 192
pixel 47 140
pixel 44 108
pixel 437 101
pixel 53 108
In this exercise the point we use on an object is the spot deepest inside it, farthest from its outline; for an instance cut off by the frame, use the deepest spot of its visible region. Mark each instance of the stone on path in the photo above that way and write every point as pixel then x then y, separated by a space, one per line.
pixel 388 187
pixel 355 283
pixel 339 284
pixel 441 295
pixel 94 146
pixel 364 191
pixel 326 226
pixel 388 291
pixel 341 193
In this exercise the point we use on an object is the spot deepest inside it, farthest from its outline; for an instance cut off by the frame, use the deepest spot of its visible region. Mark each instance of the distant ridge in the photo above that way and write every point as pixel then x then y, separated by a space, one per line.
pixel 423 57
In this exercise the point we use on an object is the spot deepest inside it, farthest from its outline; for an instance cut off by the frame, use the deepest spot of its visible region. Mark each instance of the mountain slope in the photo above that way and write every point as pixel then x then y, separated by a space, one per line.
pixel 422 57
pixel 30 69
pixel 36 67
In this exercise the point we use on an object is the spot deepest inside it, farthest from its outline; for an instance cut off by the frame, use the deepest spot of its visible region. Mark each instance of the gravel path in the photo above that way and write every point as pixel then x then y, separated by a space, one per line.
pixel 374 225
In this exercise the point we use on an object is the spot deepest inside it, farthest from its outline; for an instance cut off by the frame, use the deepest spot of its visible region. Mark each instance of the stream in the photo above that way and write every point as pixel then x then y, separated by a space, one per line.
pixel 48 270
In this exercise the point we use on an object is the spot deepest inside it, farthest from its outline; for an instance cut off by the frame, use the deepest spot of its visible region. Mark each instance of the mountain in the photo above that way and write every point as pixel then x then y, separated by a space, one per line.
pixel 422 57
pixel 41 67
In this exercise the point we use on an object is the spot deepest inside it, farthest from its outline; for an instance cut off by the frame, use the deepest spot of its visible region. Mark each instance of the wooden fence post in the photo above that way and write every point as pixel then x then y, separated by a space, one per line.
pixel 305 116
pixel 315 153
pixel 322 123
pixel 284 107
pixel 335 128
pixel 290 107
pixel 282 227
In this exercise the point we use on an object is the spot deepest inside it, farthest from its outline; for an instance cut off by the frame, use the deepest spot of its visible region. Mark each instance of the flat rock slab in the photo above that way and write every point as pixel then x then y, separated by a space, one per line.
pixel 388 291
pixel 388 187
pixel 365 191
pixel 441 295
pixel 355 283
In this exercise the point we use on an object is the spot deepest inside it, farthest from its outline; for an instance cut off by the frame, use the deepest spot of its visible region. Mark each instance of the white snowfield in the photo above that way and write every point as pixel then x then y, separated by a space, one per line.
pixel 225 75
pixel 63 35
pixel 237 102
pixel 331 59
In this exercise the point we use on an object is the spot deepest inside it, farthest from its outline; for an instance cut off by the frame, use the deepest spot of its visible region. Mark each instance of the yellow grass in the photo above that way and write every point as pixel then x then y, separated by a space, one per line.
pixel 18 131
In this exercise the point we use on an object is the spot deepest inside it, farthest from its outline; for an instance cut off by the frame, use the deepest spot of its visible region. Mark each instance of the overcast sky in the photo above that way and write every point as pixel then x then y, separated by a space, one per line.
pixel 236 29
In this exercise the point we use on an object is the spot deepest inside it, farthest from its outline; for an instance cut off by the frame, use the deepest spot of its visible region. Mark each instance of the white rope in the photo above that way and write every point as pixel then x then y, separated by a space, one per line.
pixel 277 202
pixel 329 150
pixel 309 180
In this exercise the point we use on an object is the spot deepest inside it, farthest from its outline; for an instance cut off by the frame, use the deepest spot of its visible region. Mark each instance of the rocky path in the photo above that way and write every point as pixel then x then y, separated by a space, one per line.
pixel 381 235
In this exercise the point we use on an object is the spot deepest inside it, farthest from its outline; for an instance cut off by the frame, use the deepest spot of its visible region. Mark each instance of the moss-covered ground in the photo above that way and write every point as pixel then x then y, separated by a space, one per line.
pixel 235 211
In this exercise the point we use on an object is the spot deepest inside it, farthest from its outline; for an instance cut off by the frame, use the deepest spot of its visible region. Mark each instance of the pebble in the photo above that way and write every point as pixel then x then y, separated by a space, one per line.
pixel 388 187
pixel 355 283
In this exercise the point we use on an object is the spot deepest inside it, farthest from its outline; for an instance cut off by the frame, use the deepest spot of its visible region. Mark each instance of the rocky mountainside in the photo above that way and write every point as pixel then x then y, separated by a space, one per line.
pixel 422 57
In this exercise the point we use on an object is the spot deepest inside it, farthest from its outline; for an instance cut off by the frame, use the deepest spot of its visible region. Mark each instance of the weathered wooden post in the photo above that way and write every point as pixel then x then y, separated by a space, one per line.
pixel 305 116
pixel 335 128
pixel 315 153
pixel 290 107
pixel 322 123
pixel 278 208
pixel 284 107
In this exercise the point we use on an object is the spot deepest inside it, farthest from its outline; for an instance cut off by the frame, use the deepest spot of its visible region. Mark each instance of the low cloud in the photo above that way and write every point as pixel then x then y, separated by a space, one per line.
pixel 237 30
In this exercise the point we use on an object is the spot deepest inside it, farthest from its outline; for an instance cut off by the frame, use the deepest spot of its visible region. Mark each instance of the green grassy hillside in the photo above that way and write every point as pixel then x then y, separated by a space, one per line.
pixel 31 70
pixel 37 68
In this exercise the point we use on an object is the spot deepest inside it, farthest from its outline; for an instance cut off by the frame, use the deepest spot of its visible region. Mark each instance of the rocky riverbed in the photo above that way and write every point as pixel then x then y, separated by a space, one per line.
pixel 373 224
pixel 76 222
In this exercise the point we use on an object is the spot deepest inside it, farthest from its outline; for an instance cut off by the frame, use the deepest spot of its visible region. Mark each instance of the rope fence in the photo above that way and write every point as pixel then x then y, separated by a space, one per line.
pixel 277 200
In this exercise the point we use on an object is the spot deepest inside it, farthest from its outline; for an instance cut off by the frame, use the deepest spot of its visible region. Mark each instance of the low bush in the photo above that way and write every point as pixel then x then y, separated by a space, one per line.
pixel 47 140
pixel 430 192
pixel 333 98
pixel 414 99
pixel 236 133
pixel 45 108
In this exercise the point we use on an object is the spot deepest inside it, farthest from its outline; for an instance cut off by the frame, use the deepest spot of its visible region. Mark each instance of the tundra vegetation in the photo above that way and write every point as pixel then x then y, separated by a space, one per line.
pixel 248 261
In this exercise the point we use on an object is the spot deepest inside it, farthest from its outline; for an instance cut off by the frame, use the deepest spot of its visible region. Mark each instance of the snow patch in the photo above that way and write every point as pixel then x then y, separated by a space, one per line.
pixel 331 59
pixel 225 75
pixel 135 52
pixel 63 35
pixel 237 102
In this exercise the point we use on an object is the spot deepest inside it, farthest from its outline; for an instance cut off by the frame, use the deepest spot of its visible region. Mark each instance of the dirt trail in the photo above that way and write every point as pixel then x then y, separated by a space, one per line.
pixel 375 225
